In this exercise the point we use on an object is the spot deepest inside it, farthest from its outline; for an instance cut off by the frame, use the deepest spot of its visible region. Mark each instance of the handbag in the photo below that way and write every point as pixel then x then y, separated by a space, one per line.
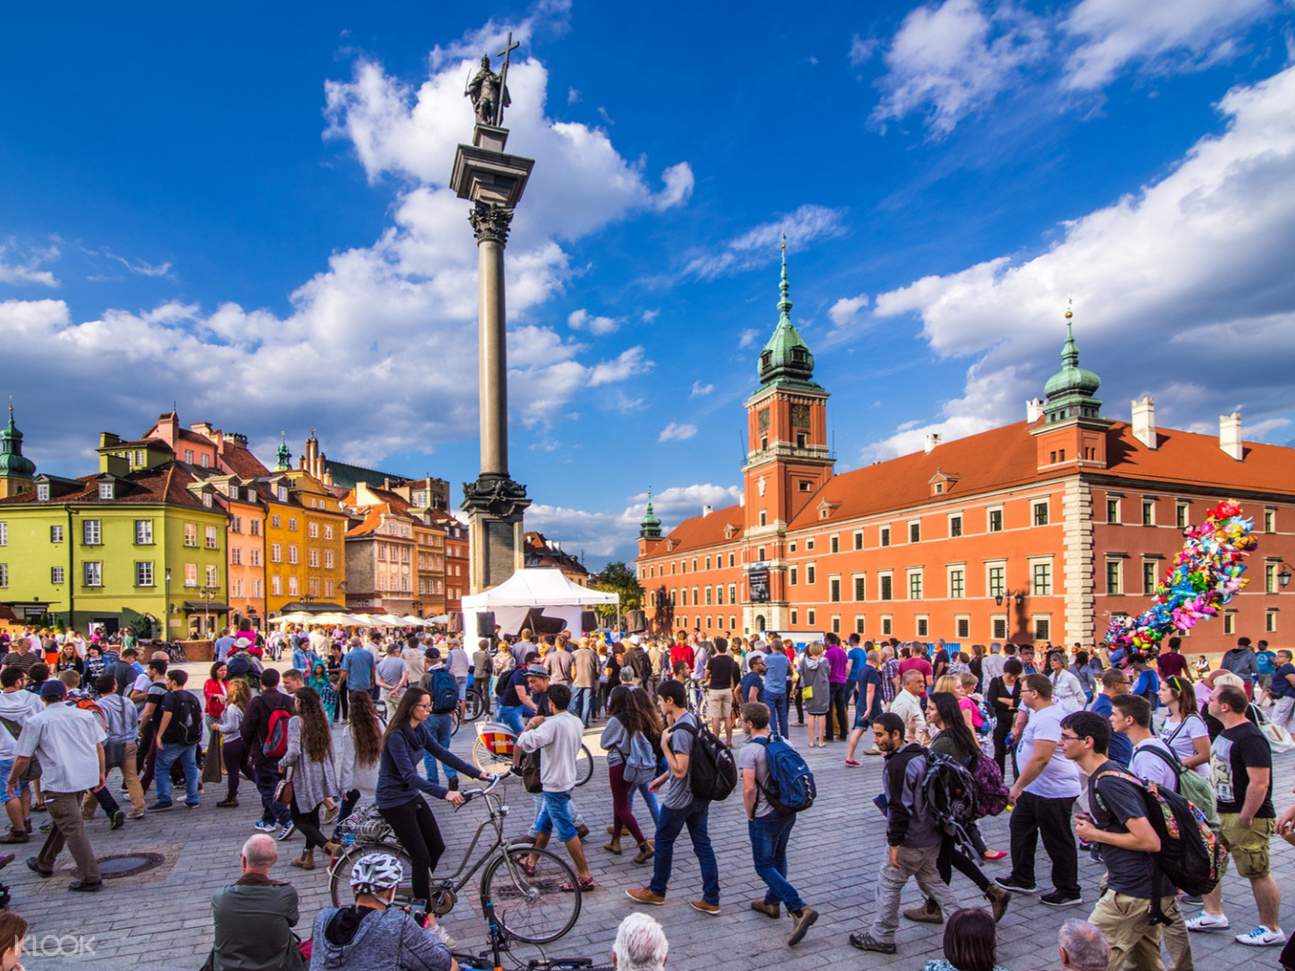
pixel 211 766
pixel 531 772
pixel 283 791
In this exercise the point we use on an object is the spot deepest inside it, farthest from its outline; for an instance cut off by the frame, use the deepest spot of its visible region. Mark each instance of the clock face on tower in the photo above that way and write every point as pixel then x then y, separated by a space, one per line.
pixel 800 416
pixel 764 420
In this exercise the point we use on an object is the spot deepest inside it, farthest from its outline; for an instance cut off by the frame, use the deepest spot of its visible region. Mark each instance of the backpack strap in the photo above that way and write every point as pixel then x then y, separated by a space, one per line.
pixel 1166 755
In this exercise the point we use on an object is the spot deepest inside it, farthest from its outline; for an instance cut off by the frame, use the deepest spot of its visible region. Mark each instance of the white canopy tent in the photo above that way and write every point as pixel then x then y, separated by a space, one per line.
pixel 536 597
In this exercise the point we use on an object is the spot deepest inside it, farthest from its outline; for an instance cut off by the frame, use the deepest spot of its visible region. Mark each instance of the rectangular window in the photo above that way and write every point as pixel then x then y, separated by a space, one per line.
pixel 213 575
pixel 914 584
pixel 256 556
pixel 292 553
pixel 314 558
pixel 190 534
pixel 275 521
pixel 143 532
pixel 809 546
pixel 1270 520
pixel 995 520
pixel 764 518
pixel 962 626
pixel 42 491
pixel 191 574
pixel 957 584
pixel 1114 576
pixel 887 625
pixel 1148 512
pixel 730 560
pixel 858 623
pixel 1040 512
pixel 999 626
pixel 293 588
pixel 292 524
pixel 255 527
pixel 732 593
pixel 4 574
pixel 1270 576
pixel 923 625
pixel 710 596
pixel 955 525
pixel 144 573
pixel 858 539
pixel 885 536
pixel 1041 574
pixel 328 559
pixel 56 575
pixel 210 537
pixel 1043 627
pixel 809 573
pixel 719 597
pixel 236 556
pixel 1270 620
pixel 276 586
pixel 794 619
pixel 92 573
pixel 997 580
pixel 1112 510
pixel 56 534
pixel 760 556
pixel 886 591
pixel 809 616
pixel 91 532
pixel 313 530
pixel 861 588
pixel 836 625
pixel 834 590
pixel 834 544
pixel 105 490
pixel 276 553
pixel 1180 514
pixel 1148 576
pixel 915 532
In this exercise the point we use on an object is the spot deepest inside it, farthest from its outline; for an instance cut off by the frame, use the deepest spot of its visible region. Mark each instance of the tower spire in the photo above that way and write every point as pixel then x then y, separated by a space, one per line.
pixel 1070 393
pixel 283 455
pixel 650 525
pixel 784 287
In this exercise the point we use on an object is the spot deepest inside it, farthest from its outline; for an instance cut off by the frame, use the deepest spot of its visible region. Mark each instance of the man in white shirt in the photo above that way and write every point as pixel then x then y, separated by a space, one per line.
pixel 68 742
pixel 558 739
pixel 1043 795
pixel 17 704
pixel 991 666
pixel 908 706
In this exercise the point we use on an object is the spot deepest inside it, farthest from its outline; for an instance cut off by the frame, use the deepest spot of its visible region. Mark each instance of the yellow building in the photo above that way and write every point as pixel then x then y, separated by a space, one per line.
pixel 305 539
pixel 325 538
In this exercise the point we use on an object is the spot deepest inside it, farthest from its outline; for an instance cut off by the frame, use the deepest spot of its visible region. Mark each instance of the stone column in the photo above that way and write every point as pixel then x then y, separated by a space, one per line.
pixel 490 224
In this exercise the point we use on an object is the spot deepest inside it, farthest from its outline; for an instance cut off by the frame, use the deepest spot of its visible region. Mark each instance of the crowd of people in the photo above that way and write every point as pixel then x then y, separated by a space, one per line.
pixel 1076 745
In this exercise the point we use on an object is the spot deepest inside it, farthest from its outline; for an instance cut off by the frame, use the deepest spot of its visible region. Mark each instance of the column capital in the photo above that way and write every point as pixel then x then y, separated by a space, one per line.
pixel 490 223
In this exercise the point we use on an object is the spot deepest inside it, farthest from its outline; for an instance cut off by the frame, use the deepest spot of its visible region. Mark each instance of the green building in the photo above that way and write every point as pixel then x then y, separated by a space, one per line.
pixel 128 546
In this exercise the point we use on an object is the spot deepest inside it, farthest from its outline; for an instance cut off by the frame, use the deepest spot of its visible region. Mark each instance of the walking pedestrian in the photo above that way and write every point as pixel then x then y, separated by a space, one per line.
pixel 868 705
pixel 777 683
pixel 721 680
pixel 838 677
pixel 179 730
pixel 233 750
pixel 121 725
pixel 631 715
pixel 816 689
pixel 265 735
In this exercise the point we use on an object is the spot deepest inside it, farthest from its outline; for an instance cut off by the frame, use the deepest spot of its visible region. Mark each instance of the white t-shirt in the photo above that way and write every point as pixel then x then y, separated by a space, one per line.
pixel 1182 740
pixel 1060 777
pixel 65 741
pixel 1152 768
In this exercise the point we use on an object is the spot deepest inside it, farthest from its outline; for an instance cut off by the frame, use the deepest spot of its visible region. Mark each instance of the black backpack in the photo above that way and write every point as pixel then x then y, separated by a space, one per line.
pixel 185 727
pixel 712 770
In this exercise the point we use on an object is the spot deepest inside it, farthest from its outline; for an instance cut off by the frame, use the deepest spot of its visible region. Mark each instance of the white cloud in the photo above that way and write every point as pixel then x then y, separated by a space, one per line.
pixel 759 244
pixel 25 269
pixel 700 390
pixel 1185 33
pixel 630 363
pixel 677 432
pixel 846 310
pixel 748 338
pixel 649 315
pixel 583 320
pixel 573 96
pixel 861 50
pixel 678 179
pixel 949 60
pixel 1185 284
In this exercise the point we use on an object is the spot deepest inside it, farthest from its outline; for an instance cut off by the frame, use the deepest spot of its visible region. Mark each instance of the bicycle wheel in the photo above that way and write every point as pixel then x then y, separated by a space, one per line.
pixel 455 722
pixel 584 765
pixel 486 760
pixel 339 877
pixel 472 705
pixel 533 908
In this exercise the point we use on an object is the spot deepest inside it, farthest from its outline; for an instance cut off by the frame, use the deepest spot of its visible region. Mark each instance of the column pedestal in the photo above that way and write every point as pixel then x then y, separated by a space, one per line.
pixel 495 505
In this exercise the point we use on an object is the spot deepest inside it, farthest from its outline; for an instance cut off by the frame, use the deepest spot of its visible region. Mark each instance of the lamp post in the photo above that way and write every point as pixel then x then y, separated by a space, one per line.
pixel 207 591
pixel 166 607
pixel 1284 578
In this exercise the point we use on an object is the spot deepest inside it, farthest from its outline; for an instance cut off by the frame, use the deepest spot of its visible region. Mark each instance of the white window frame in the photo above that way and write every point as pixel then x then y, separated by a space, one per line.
pixel 914 572
pixel 834 581
pixel 191 575
pixel 92 573
pixel 962 622
pixel 998 622
pixel 855 580
pixel 106 490
pixel 908 535
pixel 144 573
pixel 42 492
pixel 1047 512
pixel 882 577
pixel 56 533
pixel 990 566
pixel 1034 627
pixel 950 570
pixel 1112 561
pixel 1270 620
pixel 887 625
pixel 212 575
pixel 1148 503
pixel 989 519
pixel 921 621
pixel 57 576
pixel 858 539
pixel 1034 561
pixel 962 524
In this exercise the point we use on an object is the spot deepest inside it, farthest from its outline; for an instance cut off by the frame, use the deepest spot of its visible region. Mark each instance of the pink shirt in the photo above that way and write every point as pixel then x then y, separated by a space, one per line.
pixel 966 704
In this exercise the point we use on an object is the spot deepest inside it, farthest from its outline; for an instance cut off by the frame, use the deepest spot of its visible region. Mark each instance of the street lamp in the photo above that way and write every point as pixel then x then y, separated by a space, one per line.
pixel 207 591
pixel 166 607
pixel 1284 578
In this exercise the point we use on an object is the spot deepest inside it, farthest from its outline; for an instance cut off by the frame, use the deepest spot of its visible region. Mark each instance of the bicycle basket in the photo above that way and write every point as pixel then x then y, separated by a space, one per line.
pixel 498 740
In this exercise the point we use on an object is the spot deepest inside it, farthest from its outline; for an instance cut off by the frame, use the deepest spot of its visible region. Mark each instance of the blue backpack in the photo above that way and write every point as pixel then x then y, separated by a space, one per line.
pixel 444 691
pixel 791 786
pixel 640 761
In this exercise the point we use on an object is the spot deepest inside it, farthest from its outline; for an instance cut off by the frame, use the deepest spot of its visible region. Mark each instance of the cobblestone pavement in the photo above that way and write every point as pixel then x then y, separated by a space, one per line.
pixel 161 919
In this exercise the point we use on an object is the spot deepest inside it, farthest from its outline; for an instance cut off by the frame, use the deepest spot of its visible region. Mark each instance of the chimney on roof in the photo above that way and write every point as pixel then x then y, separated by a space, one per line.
pixel 1144 421
pixel 1033 410
pixel 220 442
pixel 707 509
pixel 1230 434
pixel 931 440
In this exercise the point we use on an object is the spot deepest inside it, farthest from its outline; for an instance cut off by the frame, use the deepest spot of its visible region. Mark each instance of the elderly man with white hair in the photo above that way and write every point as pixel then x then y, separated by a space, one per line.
pixel 640 945
pixel 1082 947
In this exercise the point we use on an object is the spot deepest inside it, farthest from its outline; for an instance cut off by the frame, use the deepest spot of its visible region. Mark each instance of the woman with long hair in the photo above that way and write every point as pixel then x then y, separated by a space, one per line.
pixel 816 686
pixel 400 788
pixel 954 740
pixel 233 751
pixel 359 749
pixel 1185 731
pixel 13 932
pixel 214 691
pixel 630 715
pixel 68 659
pixel 952 684
pixel 313 768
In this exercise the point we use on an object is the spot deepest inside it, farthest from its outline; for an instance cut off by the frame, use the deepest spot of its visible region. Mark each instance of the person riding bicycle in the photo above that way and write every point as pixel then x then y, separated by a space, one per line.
pixel 371 934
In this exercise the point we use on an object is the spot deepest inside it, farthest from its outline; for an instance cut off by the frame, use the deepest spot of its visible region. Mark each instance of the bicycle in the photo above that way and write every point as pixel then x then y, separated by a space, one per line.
pixel 381 707
pixel 535 907
pixel 492 752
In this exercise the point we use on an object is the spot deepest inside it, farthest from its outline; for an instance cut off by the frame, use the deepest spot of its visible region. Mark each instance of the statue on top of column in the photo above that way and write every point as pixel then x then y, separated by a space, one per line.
pixel 489 93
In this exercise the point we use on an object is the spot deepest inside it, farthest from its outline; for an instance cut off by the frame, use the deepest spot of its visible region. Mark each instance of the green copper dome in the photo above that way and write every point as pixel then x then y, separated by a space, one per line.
pixel 1070 392
pixel 12 461
pixel 283 455
pixel 786 356
pixel 650 524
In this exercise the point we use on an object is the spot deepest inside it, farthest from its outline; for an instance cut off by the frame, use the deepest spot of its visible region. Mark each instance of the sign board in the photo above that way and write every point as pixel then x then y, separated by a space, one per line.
pixel 758 583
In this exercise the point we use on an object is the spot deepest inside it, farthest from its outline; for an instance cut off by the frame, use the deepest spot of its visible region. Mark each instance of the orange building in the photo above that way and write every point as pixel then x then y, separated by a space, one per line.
pixel 1038 530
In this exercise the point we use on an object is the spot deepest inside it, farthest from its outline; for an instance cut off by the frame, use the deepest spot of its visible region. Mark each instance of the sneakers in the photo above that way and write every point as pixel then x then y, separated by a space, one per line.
pixel 643 895
pixel 136 814
pixel 803 922
pixel 769 910
pixel 264 827
pixel 227 804
pixel 160 806
pixel 1261 936
pixel 647 849
pixel 1059 899
pixel 1016 886
pixel 703 907
pixel 284 831
pixel 1208 922
pixel 866 942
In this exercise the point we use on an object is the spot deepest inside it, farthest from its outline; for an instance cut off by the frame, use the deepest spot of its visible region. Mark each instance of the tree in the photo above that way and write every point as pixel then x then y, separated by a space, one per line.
pixel 620 579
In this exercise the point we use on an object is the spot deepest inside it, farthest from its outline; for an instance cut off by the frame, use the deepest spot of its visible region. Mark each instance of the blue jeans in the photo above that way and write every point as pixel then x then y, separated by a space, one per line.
pixel 440 727
pixel 267 778
pixel 511 715
pixel 555 812
pixel 188 756
pixel 649 800
pixel 777 713
pixel 668 827
pixel 769 836
pixel 582 704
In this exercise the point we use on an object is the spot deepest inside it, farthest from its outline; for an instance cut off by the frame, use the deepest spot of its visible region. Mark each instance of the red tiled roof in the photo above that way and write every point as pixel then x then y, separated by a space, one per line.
pixel 242 462
pixel 1192 457
pixel 703 531
pixel 163 483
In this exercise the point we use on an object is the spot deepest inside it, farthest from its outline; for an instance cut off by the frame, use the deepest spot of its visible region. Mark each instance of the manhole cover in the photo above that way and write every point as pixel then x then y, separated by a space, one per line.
pixel 128 864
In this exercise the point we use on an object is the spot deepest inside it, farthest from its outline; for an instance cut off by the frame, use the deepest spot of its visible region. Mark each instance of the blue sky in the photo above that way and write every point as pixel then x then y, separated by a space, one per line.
pixel 246 212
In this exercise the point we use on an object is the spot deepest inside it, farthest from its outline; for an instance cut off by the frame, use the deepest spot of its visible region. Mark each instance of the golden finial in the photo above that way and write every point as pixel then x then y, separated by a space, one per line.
pixel 1070 312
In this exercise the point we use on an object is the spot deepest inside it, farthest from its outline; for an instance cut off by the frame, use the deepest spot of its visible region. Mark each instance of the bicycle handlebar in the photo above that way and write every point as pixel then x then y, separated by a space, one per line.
pixel 470 794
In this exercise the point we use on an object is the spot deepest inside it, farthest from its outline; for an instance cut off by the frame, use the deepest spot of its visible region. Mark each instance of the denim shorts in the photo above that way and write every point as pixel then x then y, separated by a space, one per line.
pixel 555 812
pixel 463 687
pixel 6 766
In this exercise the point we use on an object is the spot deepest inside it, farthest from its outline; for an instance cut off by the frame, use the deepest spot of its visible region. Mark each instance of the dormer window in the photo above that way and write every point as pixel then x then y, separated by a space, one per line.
pixel 766 358
pixel 206 499
pixel 105 490
pixel 42 491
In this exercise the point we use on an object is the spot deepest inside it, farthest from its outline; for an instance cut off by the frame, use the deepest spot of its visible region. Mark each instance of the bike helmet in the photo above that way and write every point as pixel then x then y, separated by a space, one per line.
pixel 375 872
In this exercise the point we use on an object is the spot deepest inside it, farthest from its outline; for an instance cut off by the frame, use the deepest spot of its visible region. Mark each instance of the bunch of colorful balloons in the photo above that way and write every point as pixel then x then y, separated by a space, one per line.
pixel 1205 577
